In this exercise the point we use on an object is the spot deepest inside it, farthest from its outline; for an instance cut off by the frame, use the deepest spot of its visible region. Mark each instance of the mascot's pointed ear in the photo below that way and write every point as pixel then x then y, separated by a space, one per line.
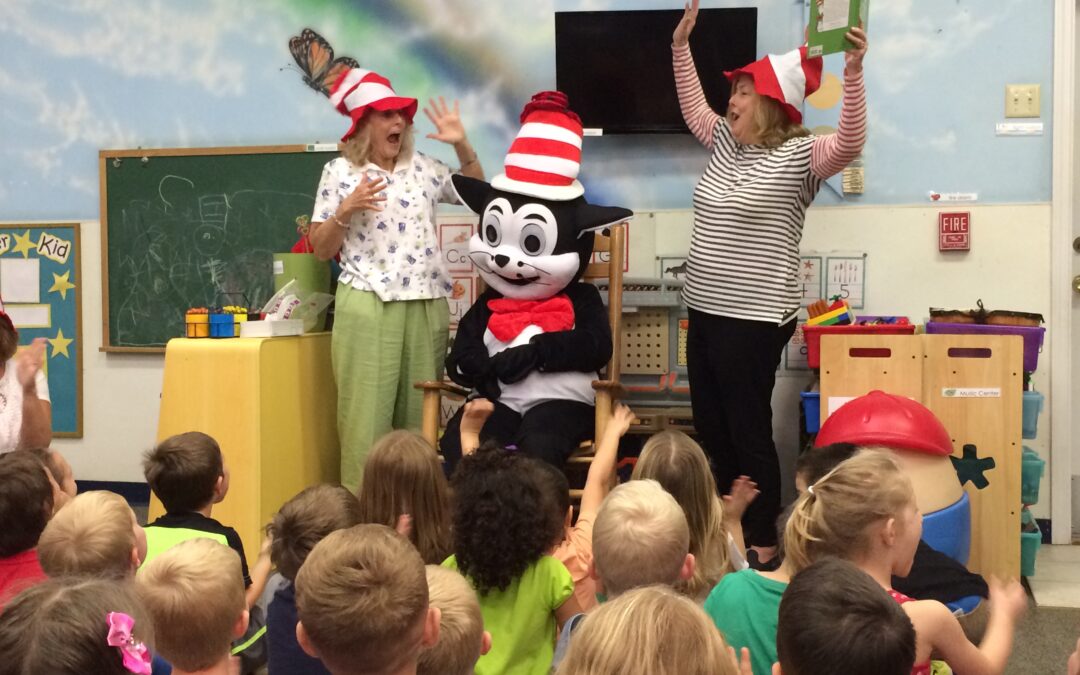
pixel 472 192
pixel 591 218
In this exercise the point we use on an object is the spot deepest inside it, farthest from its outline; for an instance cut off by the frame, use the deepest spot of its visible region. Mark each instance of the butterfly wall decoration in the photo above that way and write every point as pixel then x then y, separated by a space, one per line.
pixel 315 57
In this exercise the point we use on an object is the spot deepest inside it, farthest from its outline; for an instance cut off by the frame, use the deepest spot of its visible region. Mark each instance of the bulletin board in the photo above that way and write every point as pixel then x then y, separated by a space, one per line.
pixel 41 285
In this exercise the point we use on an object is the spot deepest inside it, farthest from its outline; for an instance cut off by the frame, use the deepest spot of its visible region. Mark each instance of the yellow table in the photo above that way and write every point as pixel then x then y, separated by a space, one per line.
pixel 271 404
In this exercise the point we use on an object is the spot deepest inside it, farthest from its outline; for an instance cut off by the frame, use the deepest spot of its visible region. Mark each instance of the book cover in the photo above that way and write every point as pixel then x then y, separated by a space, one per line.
pixel 830 20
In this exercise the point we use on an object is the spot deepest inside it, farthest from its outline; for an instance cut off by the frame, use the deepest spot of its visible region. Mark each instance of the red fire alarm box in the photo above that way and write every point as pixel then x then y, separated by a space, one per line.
pixel 954 231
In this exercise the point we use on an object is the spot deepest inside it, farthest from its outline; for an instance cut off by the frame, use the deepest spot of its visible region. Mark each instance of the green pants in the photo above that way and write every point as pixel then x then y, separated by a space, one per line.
pixel 380 349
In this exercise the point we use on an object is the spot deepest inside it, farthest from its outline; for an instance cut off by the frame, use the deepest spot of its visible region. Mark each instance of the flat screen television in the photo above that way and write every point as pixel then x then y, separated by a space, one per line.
pixel 615 66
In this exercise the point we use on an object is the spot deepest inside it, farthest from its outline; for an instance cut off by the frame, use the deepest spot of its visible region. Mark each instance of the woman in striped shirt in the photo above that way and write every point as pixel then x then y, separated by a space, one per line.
pixel 741 285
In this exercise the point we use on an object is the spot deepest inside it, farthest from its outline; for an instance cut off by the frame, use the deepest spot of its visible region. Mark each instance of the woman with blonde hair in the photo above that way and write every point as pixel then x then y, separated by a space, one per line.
pixel 648 631
pixel 674 460
pixel 375 208
pixel 403 477
pixel 741 281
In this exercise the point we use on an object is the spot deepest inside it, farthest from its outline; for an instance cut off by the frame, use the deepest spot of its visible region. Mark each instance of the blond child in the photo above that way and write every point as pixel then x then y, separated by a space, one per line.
pixel 462 638
pixel 649 631
pixel 75 626
pixel 194 597
pixel 507 520
pixel 403 476
pixel 864 511
pixel 187 473
pixel 302 522
pixel 362 601
pixel 96 534
pixel 835 619
pixel 61 472
pixel 679 464
pixel 576 549
pixel 641 539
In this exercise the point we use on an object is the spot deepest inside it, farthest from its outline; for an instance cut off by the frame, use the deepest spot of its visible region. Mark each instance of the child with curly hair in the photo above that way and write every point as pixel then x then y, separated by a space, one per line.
pixel 505 527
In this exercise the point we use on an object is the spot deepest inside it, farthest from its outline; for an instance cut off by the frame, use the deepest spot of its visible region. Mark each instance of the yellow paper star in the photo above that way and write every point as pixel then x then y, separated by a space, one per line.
pixel 61 284
pixel 60 343
pixel 23 244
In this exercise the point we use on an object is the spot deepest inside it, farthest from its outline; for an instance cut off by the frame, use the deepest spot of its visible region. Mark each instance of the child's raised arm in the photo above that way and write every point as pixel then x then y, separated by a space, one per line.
pixel 743 491
pixel 598 482
pixel 260 573
pixel 477 411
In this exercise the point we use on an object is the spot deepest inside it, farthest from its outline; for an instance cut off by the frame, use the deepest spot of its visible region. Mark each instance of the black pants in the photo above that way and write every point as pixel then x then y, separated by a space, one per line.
pixel 550 431
pixel 732 367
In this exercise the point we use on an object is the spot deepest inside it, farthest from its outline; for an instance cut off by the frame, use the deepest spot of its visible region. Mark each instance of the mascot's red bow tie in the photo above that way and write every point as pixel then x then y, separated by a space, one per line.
pixel 510 317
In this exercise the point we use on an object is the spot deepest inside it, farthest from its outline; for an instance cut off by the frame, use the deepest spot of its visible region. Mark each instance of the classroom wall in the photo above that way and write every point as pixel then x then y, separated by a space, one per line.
pixel 80 76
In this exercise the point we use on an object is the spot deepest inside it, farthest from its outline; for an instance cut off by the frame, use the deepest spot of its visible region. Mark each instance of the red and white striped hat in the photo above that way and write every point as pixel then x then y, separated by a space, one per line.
pixel 545 158
pixel 357 89
pixel 788 78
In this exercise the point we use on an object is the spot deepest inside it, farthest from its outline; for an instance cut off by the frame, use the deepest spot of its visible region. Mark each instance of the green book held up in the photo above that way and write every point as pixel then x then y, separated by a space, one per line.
pixel 830 20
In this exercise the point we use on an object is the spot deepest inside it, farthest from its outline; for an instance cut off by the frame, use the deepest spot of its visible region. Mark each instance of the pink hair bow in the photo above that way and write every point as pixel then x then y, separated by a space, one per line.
pixel 135 654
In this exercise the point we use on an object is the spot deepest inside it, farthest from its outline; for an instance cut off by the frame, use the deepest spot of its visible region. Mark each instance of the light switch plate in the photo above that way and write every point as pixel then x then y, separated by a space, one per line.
pixel 1021 100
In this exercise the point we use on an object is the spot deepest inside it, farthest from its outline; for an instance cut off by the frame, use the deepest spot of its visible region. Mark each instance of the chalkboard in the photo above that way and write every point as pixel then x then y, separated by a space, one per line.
pixel 193 227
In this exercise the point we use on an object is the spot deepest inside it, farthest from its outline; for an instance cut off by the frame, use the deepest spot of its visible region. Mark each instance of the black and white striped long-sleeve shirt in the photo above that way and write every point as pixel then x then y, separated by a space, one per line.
pixel 750 205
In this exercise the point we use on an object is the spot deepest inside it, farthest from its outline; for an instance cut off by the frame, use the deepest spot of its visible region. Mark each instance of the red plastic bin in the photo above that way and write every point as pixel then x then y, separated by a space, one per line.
pixel 813 334
pixel 1033 336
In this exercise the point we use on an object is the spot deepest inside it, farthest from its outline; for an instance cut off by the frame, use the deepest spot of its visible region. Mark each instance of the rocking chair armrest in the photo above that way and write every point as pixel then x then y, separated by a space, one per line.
pixel 443 387
pixel 610 388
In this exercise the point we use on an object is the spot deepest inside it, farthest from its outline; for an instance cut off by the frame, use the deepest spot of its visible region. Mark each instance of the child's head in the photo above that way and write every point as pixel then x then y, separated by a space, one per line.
pixel 816 462
pixel 648 631
pixel 194 592
pixel 362 602
pixel 503 519
pixel 640 538
pixel 304 520
pixel 865 503
pixel 186 472
pixel 462 638
pixel 403 475
pixel 96 534
pixel 555 491
pixel 834 618
pixel 61 627
pixel 61 472
pixel 26 501
pixel 674 460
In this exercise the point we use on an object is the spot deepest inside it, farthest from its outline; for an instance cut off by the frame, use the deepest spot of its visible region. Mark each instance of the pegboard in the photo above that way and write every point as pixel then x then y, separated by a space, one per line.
pixel 646 335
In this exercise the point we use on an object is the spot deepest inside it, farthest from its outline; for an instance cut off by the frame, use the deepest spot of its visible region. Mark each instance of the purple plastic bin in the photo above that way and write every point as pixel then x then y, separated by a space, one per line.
pixel 1033 336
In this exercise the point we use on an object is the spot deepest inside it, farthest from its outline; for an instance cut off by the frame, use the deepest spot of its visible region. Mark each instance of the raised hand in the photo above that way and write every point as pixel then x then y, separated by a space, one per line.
pixel 853 58
pixel 29 362
pixel 368 196
pixel 743 491
pixel 448 126
pixel 1008 596
pixel 477 412
pixel 681 36
pixel 621 420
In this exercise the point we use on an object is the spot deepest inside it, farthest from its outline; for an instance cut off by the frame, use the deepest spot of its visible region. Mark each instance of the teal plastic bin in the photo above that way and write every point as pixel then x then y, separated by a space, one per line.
pixel 1033 405
pixel 1031 473
pixel 1030 541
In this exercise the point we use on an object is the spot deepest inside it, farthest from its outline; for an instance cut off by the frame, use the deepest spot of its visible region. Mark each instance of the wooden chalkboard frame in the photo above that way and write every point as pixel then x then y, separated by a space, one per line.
pixel 109 155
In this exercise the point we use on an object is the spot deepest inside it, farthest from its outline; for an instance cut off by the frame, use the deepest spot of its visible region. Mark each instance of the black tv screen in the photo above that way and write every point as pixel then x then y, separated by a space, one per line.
pixel 615 66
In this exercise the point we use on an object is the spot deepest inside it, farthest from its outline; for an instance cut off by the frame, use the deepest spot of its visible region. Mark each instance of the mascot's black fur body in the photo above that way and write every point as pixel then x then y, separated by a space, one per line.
pixel 535 340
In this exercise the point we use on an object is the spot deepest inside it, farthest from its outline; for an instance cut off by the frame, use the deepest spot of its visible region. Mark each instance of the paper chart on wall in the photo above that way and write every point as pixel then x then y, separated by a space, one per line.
pixel 846 279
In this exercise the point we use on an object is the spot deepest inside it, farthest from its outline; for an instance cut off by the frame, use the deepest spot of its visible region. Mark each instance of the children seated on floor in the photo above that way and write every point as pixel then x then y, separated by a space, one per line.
pixel 362 602
pixel 678 463
pixel 27 497
pixel 96 534
pixel 835 619
pixel 75 626
pixel 462 638
pixel 195 599
pixel 864 511
pixel 300 524
pixel 506 523
pixel 403 476
pixel 649 631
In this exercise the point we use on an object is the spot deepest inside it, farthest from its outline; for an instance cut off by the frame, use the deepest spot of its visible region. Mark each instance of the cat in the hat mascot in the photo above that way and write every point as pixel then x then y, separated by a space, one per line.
pixel 536 338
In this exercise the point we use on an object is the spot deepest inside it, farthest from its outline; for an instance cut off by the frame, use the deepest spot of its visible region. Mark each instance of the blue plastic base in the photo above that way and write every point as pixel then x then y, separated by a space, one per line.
pixel 949 530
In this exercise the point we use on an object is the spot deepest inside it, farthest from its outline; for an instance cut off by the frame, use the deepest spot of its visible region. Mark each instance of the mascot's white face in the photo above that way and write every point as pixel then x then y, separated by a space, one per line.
pixel 515 251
